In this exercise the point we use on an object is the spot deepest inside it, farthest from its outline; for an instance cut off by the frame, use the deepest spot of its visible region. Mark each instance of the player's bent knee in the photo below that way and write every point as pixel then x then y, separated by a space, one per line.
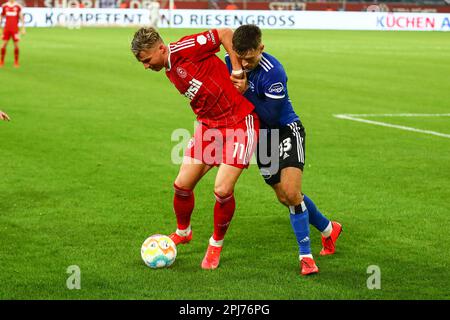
pixel 293 198
pixel 282 200
pixel 289 197
pixel 184 184
pixel 223 191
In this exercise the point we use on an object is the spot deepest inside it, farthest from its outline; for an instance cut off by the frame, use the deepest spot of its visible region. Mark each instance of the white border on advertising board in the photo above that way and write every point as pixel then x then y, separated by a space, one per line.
pixel 312 20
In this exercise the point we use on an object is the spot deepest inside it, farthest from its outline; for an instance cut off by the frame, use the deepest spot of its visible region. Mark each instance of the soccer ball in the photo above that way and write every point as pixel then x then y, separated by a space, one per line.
pixel 158 251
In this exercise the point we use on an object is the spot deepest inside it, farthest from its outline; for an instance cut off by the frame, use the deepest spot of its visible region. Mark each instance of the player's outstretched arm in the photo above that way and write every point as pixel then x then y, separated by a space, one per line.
pixel 4 116
pixel 226 38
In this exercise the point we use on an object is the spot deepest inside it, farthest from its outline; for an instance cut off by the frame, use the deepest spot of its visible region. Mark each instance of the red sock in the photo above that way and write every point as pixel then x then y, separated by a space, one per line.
pixel 183 205
pixel 223 213
pixel 3 54
pixel 16 55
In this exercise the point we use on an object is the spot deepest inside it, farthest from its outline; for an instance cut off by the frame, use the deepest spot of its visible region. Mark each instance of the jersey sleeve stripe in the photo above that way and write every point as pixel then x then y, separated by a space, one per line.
pixel 264 67
pixel 182 42
pixel 181 48
pixel 268 62
pixel 263 63
pixel 177 45
pixel 274 96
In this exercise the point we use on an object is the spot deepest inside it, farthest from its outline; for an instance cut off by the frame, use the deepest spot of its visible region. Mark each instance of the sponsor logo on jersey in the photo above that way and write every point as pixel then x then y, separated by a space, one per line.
pixel 193 89
pixel 11 13
pixel 211 37
pixel 276 88
pixel 201 39
pixel 181 72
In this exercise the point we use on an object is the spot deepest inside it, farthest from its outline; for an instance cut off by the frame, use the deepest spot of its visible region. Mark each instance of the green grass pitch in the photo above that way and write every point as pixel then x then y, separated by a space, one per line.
pixel 86 175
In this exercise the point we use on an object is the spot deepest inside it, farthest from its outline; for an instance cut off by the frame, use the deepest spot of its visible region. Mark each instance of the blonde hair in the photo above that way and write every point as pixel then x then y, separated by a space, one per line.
pixel 145 38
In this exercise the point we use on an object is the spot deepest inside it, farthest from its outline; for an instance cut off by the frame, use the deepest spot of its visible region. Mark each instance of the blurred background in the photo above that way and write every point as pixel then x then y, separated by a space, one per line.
pixel 319 5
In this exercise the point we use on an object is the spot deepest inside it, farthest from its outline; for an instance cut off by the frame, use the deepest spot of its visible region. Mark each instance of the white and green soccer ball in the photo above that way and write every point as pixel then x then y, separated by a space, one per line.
pixel 158 251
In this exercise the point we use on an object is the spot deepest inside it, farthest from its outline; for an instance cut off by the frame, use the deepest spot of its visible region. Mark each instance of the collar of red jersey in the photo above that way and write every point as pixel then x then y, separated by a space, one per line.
pixel 168 60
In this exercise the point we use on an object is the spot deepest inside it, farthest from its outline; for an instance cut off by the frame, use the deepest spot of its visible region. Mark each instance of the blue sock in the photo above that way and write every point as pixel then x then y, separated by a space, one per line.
pixel 300 224
pixel 316 218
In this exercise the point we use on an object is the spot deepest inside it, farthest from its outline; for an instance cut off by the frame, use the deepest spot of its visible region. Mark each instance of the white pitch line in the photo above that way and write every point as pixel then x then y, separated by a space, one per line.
pixel 397 115
pixel 384 124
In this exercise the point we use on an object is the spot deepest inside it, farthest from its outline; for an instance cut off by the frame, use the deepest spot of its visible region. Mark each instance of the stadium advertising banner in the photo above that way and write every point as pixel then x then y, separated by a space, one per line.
pixel 318 20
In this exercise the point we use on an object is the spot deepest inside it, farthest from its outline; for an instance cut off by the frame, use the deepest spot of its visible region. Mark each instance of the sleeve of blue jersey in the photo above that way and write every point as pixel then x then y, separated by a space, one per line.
pixel 228 62
pixel 274 84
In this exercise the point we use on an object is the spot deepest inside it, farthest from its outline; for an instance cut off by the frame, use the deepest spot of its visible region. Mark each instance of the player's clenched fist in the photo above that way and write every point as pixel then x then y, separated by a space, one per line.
pixel 4 116
pixel 240 82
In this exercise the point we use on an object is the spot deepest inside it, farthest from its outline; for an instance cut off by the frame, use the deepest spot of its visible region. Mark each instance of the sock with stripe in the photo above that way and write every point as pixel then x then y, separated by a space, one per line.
pixel 183 232
pixel 300 224
pixel 316 218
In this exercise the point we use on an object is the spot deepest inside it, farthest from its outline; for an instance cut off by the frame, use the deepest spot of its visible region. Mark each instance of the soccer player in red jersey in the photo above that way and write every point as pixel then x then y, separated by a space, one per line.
pixel 12 11
pixel 227 131
pixel 4 116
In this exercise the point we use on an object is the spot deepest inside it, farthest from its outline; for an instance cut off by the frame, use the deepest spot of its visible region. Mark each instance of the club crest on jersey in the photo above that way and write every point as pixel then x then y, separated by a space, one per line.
pixel 181 72
pixel 201 39
pixel 193 89
pixel 276 88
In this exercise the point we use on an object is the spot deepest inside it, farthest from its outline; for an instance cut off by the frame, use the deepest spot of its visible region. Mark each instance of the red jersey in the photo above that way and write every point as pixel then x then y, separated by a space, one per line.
pixel 201 76
pixel 12 14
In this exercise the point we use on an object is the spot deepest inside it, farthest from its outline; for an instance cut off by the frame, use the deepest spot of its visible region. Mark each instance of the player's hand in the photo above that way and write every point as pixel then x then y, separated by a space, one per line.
pixel 238 74
pixel 240 84
pixel 23 31
pixel 4 116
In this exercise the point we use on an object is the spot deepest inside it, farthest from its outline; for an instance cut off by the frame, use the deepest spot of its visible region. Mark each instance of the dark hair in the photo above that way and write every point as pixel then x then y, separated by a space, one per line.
pixel 246 38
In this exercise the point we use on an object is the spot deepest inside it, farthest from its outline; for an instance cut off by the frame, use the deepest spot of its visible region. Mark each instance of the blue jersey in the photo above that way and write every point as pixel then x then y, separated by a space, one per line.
pixel 268 92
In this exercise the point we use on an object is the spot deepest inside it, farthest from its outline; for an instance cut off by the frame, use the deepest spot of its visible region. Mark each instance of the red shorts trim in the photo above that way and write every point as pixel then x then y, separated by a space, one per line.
pixel 7 34
pixel 233 146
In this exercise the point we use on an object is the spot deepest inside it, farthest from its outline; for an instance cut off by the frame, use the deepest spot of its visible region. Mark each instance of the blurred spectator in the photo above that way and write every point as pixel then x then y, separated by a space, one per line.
pixel 231 5
pixel 125 4
pixel 107 3
pixel 154 13
pixel 213 4
pixel 300 5
pixel 76 4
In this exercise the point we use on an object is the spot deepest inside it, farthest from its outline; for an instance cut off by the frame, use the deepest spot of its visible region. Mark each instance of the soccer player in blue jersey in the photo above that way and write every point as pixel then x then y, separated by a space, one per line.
pixel 265 85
